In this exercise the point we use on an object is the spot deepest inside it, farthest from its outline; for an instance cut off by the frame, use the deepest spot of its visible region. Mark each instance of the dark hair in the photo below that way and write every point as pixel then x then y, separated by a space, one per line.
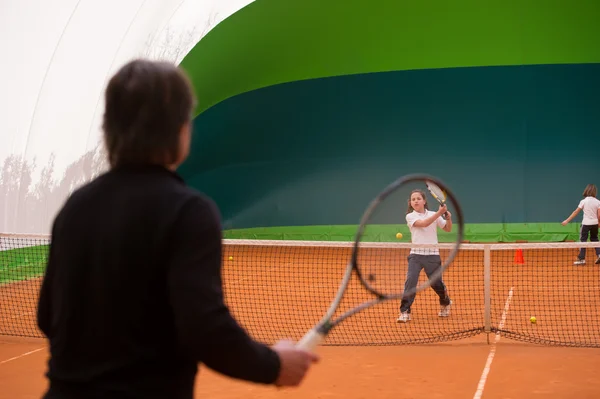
pixel 590 191
pixel 147 104
pixel 410 208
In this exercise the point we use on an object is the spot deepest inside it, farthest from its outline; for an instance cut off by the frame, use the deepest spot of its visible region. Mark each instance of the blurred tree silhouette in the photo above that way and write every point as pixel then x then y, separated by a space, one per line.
pixel 30 209
pixel 27 208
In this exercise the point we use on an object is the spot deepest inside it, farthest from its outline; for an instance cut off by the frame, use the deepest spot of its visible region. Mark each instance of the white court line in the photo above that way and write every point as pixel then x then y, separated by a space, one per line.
pixel 20 356
pixel 488 363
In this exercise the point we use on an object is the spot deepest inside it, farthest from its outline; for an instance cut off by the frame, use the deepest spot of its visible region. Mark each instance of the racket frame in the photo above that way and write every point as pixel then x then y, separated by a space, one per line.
pixel 318 333
pixel 442 201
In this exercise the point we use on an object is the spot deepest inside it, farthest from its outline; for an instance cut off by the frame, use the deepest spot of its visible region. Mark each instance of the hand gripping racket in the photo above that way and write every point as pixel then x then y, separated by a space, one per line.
pixel 438 194
pixel 382 278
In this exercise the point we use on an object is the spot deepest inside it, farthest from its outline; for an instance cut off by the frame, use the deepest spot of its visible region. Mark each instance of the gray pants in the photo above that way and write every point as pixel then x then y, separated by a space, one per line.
pixel 431 263
pixel 592 230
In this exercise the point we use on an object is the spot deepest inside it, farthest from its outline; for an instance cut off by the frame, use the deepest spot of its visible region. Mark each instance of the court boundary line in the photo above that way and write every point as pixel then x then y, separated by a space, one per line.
pixel 492 354
pixel 22 355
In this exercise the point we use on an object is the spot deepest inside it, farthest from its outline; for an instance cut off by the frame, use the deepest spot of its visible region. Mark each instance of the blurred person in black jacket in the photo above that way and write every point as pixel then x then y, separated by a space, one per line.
pixel 132 298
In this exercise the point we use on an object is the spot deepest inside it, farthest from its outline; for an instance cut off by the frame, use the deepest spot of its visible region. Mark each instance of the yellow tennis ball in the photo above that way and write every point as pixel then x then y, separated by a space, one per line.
pixel 399 235
pixel 533 320
pixel 231 258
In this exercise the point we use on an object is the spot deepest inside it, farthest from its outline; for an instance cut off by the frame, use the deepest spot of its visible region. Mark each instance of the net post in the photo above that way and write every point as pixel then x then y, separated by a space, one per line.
pixel 487 298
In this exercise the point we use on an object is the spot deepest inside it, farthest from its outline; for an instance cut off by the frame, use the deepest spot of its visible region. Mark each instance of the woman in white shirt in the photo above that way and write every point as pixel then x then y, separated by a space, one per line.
pixel 423 225
pixel 589 225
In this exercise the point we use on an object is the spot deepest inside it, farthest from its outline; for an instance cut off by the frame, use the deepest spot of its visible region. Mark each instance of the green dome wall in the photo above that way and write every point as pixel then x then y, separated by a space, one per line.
pixel 306 110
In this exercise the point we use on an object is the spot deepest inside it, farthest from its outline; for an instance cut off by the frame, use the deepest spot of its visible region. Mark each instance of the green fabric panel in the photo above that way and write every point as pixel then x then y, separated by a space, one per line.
pixel 476 233
pixel 273 41
pixel 542 232
pixel 23 263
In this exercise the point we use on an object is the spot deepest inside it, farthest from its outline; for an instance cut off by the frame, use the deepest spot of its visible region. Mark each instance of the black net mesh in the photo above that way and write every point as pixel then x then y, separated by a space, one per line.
pixel 279 289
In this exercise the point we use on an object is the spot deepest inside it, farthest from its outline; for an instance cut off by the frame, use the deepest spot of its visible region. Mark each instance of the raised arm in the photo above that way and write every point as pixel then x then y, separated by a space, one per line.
pixel 448 226
pixel 427 221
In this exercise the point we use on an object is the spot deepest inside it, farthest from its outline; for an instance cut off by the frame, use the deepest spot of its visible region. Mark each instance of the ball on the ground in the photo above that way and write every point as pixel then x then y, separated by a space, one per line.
pixel 398 235
pixel 533 320
pixel 231 258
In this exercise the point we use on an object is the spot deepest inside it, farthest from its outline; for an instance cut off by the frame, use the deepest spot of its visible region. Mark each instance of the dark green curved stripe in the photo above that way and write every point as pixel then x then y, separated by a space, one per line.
pixel 273 41
pixel 516 144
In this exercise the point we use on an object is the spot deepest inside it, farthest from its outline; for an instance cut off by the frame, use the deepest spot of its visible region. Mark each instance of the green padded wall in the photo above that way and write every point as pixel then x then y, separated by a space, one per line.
pixel 303 127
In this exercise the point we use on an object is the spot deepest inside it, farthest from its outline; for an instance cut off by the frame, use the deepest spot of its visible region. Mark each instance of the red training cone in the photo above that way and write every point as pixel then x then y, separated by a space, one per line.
pixel 519 260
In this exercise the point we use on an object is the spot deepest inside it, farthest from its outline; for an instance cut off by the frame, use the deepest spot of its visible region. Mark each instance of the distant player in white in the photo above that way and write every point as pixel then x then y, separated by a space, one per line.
pixel 423 225
pixel 589 225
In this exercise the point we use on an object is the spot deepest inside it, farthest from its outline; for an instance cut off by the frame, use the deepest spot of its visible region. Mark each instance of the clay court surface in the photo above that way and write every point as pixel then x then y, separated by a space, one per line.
pixel 450 370
pixel 278 293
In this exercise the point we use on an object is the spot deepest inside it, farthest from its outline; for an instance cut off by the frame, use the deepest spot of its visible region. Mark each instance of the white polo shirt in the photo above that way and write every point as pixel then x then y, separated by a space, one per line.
pixel 424 235
pixel 590 207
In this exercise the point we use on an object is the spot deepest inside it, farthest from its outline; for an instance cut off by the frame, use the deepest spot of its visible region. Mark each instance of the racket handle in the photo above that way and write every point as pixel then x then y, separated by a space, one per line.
pixel 310 340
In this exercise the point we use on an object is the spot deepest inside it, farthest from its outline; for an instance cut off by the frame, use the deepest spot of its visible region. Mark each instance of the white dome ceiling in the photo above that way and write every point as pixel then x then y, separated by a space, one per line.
pixel 57 57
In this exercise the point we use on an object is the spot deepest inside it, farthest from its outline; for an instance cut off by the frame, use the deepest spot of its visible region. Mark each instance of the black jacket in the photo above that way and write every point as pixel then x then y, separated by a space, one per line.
pixel 132 298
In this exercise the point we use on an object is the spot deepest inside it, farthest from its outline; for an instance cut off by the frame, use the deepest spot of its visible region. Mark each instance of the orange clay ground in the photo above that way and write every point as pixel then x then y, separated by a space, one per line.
pixel 564 299
pixel 448 370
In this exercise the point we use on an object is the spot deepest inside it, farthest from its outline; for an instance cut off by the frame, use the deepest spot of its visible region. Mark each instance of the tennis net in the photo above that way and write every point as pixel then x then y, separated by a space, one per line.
pixel 279 289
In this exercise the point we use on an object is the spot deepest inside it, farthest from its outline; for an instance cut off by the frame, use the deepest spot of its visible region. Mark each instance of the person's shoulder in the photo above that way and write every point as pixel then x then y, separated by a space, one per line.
pixel 202 200
pixel 200 205
pixel 590 200
pixel 84 191
pixel 411 215
pixel 76 202
pixel 162 188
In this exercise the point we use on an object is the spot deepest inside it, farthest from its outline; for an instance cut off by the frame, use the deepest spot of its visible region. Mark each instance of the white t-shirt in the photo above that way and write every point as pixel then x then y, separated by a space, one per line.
pixel 424 235
pixel 590 207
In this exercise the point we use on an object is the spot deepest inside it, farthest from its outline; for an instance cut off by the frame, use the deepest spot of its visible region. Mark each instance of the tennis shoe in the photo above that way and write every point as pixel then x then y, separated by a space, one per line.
pixel 403 318
pixel 445 310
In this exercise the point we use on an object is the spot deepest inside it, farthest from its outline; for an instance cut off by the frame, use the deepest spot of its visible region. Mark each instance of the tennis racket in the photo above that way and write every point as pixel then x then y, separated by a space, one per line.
pixel 438 194
pixel 381 277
